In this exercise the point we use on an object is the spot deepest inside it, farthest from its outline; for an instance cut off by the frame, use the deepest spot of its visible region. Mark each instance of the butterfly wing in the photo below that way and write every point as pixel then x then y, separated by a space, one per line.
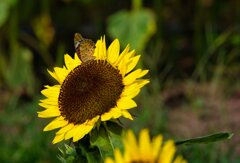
pixel 84 48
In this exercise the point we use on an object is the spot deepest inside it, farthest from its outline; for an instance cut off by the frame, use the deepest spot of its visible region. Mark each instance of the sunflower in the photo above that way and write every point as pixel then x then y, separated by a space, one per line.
pixel 89 92
pixel 145 151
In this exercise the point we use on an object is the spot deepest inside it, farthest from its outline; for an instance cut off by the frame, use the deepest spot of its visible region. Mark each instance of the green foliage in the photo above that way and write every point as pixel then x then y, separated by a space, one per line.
pixel 133 27
pixel 20 138
pixel 205 153
pixel 214 45
pixel 20 74
pixel 107 138
pixel 206 139
pixel 5 7
pixel 67 155
pixel 96 146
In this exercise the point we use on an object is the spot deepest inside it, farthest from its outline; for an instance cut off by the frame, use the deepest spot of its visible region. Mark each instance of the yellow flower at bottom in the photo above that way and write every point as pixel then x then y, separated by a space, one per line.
pixel 99 89
pixel 145 151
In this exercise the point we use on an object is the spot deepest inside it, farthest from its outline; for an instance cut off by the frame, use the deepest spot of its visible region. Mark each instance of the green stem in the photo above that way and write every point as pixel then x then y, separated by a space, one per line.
pixel 108 135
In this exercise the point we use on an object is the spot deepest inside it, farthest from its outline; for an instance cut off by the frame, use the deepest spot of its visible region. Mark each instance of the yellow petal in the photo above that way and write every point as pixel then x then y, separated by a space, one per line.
pixel 143 73
pixel 100 50
pixel 179 159
pixel 113 51
pixel 96 51
pixel 126 103
pixel 130 78
pixel 69 134
pixel 113 113
pixel 106 116
pixel 156 145
pixel 53 74
pixel 81 131
pixel 141 82
pixel 69 62
pixel 116 113
pixel 108 160
pixel 50 101
pixel 132 63
pixel 123 55
pixel 118 156
pixel 131 91
pixel 130 144
pixel 130 88
pixel 92 121
pixel 55 86
pixel 76 59
pixel 51 91
pixel 126 114
pixel 122 67
pixel 104 49
pixel 48 106
pixel 56 123
pixel 58 138
pixel 167 152
pixel 61 73
pixel 65 129
pixel 144 144
pixel 49 113
pixel 134 94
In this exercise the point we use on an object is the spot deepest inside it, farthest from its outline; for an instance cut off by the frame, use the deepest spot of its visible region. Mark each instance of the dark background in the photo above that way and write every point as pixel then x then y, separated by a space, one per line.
pixel 191 47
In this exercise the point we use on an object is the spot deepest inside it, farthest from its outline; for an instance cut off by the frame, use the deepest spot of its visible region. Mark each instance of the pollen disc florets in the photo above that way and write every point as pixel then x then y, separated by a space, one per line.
pixel 90 89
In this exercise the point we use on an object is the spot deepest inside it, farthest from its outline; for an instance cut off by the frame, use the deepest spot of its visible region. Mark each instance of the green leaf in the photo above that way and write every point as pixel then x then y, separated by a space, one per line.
pixel 101 141
pixel 5 6
pixel 81 153
pixel 68 155
pixel 106 138
pixel 206 139
pixel 115 133
pixel 132 27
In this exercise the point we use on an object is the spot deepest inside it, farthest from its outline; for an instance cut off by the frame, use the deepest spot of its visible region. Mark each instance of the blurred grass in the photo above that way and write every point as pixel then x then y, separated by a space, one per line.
pixel 191 48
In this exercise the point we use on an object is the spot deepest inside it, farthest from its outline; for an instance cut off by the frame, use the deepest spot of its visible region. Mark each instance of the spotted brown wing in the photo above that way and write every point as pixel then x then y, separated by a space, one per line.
pixel 84 48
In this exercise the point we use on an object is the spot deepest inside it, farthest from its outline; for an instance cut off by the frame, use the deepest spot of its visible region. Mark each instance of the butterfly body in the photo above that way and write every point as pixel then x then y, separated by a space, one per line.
pixel 84 48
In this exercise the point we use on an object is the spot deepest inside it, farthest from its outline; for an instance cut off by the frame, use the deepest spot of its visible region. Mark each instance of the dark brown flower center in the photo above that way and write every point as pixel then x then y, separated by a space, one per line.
pixel 90 89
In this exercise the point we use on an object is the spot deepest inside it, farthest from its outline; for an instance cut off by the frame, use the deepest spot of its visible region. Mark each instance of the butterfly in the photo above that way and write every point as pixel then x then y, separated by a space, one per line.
pixel 84 47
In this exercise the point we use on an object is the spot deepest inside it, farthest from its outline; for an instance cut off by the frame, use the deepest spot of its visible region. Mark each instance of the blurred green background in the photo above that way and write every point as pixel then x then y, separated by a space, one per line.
pixel 192 49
